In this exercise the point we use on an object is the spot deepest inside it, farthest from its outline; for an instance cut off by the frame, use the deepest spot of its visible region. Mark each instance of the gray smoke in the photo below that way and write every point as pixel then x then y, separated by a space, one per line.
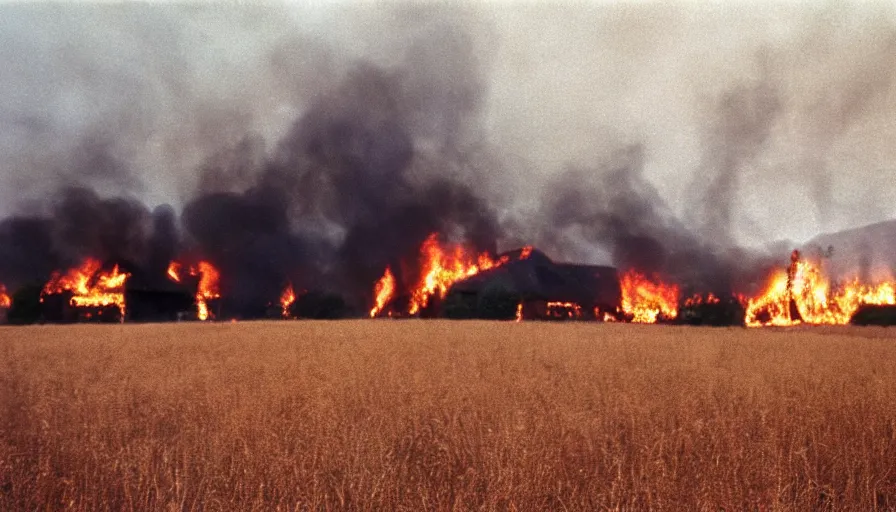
pixel 318 145
pixel 737 131
pixel 615 207
pixel 352 162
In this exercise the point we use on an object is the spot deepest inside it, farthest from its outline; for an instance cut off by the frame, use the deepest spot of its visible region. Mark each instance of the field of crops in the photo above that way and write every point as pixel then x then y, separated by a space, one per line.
pixel 419 415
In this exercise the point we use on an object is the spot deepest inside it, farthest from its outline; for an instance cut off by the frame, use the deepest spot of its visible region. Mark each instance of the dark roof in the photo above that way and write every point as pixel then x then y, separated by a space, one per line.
pixel 537 277
pixel 154 282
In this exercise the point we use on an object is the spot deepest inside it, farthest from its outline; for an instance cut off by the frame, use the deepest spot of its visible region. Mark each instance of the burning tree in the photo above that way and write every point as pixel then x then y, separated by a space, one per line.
pixel 805 294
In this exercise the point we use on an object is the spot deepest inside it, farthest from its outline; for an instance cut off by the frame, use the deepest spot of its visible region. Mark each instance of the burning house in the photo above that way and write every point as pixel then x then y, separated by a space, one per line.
pixel 153 299
pixel 96 292
pixel 454 281
pixel 534 287
pixel 89 292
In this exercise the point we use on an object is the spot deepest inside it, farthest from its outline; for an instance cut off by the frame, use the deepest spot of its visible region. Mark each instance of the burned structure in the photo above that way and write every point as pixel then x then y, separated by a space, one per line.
pixel 110 293
pixel 534 287
pixel 151 299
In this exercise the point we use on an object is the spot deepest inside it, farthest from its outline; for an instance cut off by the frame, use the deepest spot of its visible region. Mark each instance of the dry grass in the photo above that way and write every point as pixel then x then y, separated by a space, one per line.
pixel 380 415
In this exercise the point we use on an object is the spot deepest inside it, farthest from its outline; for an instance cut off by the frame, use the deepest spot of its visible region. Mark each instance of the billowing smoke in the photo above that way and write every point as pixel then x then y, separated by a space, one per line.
pixel 351 163
pixel 80 225
pixel 615 207
pixel 317 147
pixel 371 165
pixel 736 132
pixel 27 254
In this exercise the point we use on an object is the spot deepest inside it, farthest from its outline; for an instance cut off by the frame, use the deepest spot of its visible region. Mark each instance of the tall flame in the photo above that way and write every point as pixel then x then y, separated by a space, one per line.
pixel 208 288
pixel 287 298
pixel 646 300
pixel 5 301
pixel 174 271
pixel 90 286
pixel 804 294
pixel 384 290
pixel 440 267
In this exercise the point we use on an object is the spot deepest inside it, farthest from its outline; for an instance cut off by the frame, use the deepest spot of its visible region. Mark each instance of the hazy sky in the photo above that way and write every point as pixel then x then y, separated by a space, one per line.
pixel 794 104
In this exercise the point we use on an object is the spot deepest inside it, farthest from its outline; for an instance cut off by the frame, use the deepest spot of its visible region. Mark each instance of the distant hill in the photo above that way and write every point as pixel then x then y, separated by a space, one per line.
pixel 868 251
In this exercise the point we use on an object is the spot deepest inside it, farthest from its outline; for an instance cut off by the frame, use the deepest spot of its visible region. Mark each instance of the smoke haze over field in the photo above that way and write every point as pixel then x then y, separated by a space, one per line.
pixel 319 144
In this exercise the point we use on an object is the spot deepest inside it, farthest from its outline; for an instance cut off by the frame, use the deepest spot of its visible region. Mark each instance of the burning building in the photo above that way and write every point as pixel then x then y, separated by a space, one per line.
pixel 149 298
pixel 454 281
pixel 96 292
pixel 450 280
pixel 88 292
pixel 534 287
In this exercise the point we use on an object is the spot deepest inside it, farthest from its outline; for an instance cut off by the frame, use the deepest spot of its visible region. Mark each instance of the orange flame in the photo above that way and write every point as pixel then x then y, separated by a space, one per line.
pixel 208 287
pixel 174 271
pixel 5 301
pixel 697 300
pixel 287 298
pixel 90 287
pixel 804 294
pixel 519 312
pixel 442 268
pixel 645 300
pixel 556 309
pixel 605 316
pixel 383 291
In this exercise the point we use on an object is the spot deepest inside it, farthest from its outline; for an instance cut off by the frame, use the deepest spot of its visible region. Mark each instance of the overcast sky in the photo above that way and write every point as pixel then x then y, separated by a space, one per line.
pixel 164 86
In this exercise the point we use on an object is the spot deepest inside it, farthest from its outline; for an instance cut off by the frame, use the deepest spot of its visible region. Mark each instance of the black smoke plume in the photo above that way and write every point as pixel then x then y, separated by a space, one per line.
pixel 320 157
pixel 615 207
pixel 348 190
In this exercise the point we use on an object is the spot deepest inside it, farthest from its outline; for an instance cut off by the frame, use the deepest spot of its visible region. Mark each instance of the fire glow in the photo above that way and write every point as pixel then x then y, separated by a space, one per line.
pixel 647 301
pixel 698 300
pixel 90 286
pixel 443 267
pixel 384 290
pixel 5 301
pixel 174 271
pixel 440 267
pixel 557 309
pixel 207 289
pixel 804 294
pixel 287 299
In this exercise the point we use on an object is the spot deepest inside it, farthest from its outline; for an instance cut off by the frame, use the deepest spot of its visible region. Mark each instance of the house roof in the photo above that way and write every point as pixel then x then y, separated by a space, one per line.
pixel 537 277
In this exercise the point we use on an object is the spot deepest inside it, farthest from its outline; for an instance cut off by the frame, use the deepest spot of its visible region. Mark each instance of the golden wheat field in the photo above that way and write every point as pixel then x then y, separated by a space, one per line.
pixel 441 415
